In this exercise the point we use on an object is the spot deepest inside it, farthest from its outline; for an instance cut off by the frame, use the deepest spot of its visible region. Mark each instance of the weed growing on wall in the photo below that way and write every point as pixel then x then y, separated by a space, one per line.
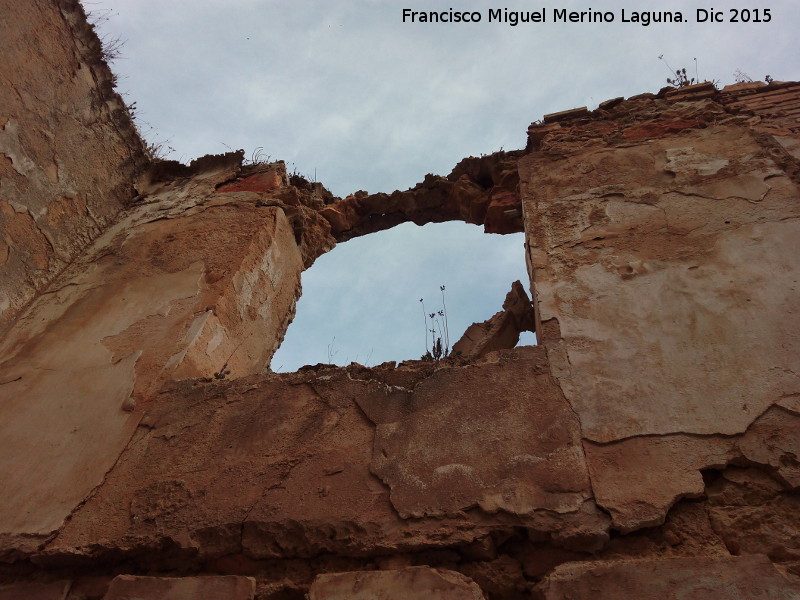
pixel 331 351
pixel 257 157
pixel 437 327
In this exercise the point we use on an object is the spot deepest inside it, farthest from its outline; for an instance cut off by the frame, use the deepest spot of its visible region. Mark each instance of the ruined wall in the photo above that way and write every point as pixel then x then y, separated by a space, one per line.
pixel 674 251
pixel 647 448
pixel 191 282
pixel 68 150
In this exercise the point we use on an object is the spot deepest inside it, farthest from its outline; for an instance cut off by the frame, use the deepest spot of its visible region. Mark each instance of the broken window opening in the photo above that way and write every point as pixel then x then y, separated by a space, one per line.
pixel 360 301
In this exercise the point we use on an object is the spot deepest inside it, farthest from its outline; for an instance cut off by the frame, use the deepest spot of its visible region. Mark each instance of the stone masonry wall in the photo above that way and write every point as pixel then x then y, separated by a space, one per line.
pixel 69 153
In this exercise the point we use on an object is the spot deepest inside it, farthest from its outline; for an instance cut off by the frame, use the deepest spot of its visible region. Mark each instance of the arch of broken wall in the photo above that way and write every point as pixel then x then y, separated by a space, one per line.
pixel 657 422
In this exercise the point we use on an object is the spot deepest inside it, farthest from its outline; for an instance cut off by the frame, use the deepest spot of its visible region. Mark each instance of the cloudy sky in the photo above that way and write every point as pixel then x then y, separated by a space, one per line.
pixel 349 94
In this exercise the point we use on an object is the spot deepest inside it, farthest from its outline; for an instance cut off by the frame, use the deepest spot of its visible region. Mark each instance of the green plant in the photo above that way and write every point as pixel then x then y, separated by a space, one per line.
pixel 258 157
pixel 158 150
pixel 223 372
pixel 98 17
pixel 331 351
pixel 438 329
pixel 297 179
pixel 679 77
pixel 111 47
pixel 155 150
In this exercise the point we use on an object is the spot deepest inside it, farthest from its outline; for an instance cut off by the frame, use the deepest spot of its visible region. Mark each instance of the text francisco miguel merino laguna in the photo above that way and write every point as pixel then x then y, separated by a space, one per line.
pixel 562 15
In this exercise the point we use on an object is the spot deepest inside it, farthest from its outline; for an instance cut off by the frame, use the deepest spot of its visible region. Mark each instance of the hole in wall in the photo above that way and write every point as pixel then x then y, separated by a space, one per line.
pixel 360 301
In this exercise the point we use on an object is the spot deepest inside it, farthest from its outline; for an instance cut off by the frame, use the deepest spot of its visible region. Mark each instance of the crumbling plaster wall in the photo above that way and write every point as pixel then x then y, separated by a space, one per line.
pixel 194 281
pixel 68 150
pixel 675 250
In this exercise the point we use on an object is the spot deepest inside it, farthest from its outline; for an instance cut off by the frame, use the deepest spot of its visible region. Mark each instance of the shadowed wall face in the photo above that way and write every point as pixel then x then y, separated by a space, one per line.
pixel 69 153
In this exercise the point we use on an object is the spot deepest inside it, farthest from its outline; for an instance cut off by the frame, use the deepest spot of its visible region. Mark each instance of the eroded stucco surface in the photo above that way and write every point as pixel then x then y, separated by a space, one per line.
pixel 667 289
pixel 69 153
pixel 676 255
pixel 188 284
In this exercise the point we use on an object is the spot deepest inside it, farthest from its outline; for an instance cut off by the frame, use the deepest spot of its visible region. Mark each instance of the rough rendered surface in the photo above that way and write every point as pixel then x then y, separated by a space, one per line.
pixel 666 284
pixel 281 465
pixel 55 197
pixel 734 578
pixel 525 457
pixel 35 591
pixel 639 479
pixel 677 255
pixel 219 467
pixel 120 326
pixel 128 587
pixel 754 514
pixel 414 583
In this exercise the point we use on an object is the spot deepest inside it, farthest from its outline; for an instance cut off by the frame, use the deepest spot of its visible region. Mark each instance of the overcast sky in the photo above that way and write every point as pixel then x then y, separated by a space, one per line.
pixel 350 94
